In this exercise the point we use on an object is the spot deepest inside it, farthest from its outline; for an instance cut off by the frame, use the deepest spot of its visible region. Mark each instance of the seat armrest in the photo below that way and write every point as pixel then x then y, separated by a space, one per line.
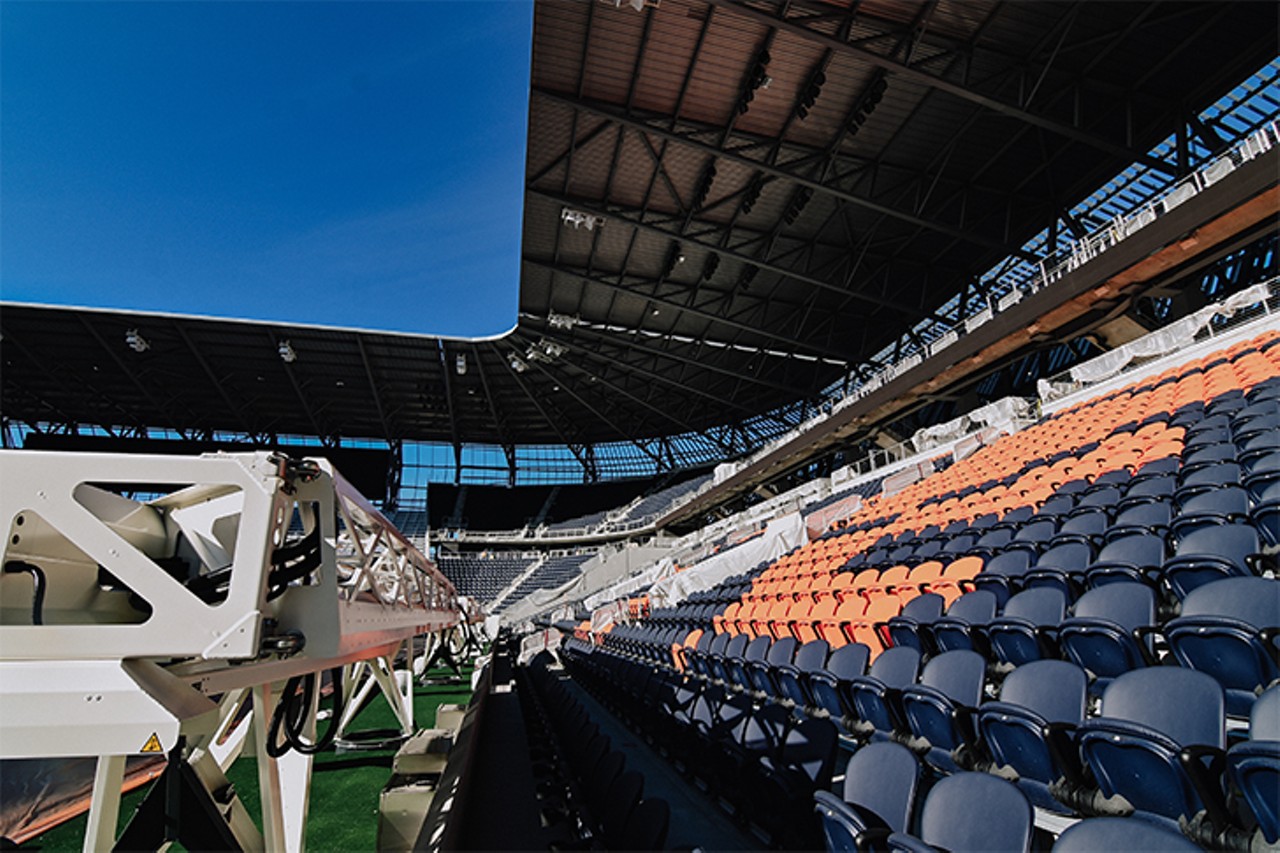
pixel 1206 766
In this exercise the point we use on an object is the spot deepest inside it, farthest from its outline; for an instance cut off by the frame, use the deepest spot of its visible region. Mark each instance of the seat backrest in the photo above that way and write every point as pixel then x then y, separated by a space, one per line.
pixel 812 656
pixel 1121 833
pixel 1226 500
pixel 1125 603
pixel 976 811
pixel 881 778
pixel 1137 549
pixel 1253 600
pixel 1264 717
pixel 719 643
pixel 1149 514
pixel 976 608
pixel 1009 563
pixel 896 667
pixel 1087 523
pixel 1213 474
pixel 1069 556
pixel 848 661
pixel 607 769
pixel 758 648
pixel 924 608
pixel 1054 689
pixel 737 646
pixel 1038 605
pixel 1184 705
pixel 782 651
pixel 1232 542
pixel 957 674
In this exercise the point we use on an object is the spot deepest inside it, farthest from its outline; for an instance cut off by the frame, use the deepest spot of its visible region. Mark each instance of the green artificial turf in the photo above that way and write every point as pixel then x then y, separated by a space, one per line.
pixel 345 788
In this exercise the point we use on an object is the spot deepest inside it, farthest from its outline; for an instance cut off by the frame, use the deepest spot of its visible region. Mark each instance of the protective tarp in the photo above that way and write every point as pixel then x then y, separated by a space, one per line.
pixel 993 414
pixel 816 523
pixel 1172 337
pixel 781 535
pixel 664 568
pixel 37 794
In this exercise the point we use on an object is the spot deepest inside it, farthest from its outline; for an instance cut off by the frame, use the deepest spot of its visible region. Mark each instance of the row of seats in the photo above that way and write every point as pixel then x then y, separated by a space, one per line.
pixel 760 762
pixel 585 786
pixel 1106 569
pixel 1032 727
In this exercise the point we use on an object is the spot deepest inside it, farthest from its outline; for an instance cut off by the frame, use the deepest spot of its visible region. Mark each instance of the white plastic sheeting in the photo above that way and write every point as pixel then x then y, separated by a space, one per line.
pixel 664 568
pixel 1172 337
pixel 782 534
pixel 993 414
pixel 816 523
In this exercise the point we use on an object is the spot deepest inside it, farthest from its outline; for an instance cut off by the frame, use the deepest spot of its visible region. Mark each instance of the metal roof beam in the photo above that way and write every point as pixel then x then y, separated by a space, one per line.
pixel 138 383
pixel 537 404
pixel 605 210
pixel 608 111
pixel 373 387
pixel 567 388
pixel 651 375
pixel 688 309
pixel 919 75
pixel 213 377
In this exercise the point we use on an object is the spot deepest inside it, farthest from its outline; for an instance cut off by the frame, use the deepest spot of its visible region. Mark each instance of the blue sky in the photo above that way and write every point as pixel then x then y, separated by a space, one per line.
pixel 346 164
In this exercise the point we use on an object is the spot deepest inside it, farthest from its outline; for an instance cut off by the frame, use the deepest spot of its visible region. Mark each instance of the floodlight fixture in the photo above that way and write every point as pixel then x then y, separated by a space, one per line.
pixel 581 218
pixel 136 341
pixel 287 353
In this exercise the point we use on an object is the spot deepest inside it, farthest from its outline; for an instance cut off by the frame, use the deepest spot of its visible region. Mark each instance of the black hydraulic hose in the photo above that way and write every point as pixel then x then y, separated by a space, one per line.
pixel 290 715
pixel 38 580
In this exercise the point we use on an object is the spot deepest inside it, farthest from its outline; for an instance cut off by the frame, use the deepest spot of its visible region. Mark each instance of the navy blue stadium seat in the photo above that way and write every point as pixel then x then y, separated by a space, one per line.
pixel 1017 636
pixel 826 686
pixel 1228 630
pixel 1225 505
pixel 911 626
pixel 966 615
pixel 937 709
pixel 1254 765
pixel 970 812
pixel 1208 554
pixel 1100 634
pixel 874 695
pixel 1030 728
pixel 764 673
pixel 1133 556
pixel 1149 717
pixel 802 764
pixel 1121 833
pixel 810 657
pixel 1004 571
pixel 645 829
pixel 738 669
pixel 879 789
pixel 1062 566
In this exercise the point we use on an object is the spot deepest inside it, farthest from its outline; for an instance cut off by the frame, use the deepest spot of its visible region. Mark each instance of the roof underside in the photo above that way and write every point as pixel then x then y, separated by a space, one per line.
pixel 775 192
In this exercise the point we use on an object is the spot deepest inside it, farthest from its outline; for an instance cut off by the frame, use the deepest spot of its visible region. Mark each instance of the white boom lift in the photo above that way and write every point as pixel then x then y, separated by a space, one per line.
pixel 131 626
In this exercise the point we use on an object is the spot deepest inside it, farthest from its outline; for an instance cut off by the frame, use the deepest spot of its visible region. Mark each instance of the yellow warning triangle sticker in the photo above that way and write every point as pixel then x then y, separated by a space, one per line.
pixel 152 744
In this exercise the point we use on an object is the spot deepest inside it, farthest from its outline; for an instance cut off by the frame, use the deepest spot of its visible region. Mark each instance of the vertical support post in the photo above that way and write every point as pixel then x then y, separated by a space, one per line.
pixel 268 771
pixel 295 783
pixel 104 804
pixel 384 672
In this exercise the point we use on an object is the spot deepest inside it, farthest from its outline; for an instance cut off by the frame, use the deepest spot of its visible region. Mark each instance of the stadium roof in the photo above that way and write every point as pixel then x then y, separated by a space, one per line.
pixel 728 206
